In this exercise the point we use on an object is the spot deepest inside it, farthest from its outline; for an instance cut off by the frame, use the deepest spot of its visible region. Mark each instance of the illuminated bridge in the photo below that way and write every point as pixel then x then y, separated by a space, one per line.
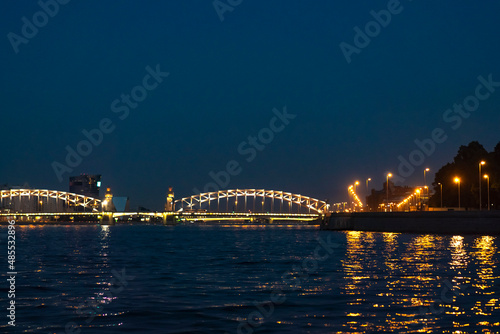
pixel 43 200
pixel 252 205
pixel 253 200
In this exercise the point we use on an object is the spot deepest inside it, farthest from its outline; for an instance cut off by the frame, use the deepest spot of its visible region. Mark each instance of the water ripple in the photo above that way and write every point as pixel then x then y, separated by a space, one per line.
pixel 264 279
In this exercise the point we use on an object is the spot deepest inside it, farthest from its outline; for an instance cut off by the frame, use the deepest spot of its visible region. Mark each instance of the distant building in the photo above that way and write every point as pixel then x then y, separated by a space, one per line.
pixel 5 186
pixel 87 185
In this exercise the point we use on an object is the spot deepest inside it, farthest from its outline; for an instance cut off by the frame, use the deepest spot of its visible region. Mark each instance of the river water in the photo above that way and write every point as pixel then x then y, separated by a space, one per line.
pixel 249 279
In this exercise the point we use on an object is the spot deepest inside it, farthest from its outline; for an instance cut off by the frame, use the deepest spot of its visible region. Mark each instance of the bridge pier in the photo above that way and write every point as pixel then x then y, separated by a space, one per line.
pixel 265 220
pixel 107 219
pixel 169 219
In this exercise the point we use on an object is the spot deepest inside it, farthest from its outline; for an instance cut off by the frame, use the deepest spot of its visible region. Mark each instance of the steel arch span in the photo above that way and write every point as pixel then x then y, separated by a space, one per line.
pixel 277 198
pixel 70 199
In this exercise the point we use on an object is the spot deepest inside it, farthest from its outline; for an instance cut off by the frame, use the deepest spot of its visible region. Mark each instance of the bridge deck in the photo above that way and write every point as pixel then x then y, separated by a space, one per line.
pixel 205 216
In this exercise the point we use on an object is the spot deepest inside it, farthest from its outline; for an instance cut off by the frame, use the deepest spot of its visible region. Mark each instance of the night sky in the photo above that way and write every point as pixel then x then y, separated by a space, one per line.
pixel 347 120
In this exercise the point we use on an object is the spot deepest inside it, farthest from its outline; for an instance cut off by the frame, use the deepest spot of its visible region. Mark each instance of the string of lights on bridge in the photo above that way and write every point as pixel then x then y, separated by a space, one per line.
pixel 352 192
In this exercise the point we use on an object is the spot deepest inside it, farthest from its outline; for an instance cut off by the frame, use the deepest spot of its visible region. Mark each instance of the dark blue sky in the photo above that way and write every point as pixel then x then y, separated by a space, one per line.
pixel 352 121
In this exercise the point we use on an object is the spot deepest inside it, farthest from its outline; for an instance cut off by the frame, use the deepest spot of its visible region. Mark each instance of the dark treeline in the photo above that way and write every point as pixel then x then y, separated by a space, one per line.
pixel 465 166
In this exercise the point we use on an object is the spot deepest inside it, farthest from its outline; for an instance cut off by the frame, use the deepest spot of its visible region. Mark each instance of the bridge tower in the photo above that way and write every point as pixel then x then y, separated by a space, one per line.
pixel 107 204
pixel 169 205
pixel 107 207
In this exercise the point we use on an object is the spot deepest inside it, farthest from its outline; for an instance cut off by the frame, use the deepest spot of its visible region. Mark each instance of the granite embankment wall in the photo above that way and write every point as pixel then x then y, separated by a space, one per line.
pixel 447 222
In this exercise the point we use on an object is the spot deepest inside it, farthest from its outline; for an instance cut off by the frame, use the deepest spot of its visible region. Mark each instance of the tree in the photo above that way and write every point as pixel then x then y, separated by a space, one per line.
pixel 465 165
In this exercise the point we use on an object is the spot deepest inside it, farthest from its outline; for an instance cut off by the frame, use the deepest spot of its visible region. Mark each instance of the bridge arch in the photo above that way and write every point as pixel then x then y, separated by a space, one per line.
pixel 267 199
pixel 43 200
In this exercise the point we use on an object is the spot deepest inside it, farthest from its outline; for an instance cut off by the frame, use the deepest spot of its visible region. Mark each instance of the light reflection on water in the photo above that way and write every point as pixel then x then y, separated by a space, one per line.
pixel 208 279
pixel 407 283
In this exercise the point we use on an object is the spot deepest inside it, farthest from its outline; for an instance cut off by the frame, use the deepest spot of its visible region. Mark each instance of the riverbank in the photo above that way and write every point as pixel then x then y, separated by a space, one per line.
pixel 447 222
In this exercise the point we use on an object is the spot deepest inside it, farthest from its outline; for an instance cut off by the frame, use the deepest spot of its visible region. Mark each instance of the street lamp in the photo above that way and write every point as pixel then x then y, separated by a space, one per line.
pixel 41 206
pixel 425 180
pixel 441 185
pixel 351 200
pixel 426 198
pixel 480 164
pixel 417 200
pixel 388 176
pixel 368 180
pixel 488 181
pixel 355 185
pixel 457 181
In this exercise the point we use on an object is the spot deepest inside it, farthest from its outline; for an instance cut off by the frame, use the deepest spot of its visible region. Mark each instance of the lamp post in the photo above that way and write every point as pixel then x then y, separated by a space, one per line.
pixel 441 192
pixel 488 184
pixel 457 181
pixel 41 206
pixel 480 164
pixel 425 181
pixel 367 189
pixel 356 183
pixel 426 198
pixel 387 182
pixel 417 201
pixel 350 197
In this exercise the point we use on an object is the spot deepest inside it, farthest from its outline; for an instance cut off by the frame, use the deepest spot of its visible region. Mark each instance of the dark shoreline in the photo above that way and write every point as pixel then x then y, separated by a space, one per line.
pixel 428 222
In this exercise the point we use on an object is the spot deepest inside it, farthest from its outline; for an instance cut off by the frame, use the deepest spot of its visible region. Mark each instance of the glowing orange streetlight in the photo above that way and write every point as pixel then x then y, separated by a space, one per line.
pixel 417 199
pixel 488 183
pixel 425 180
pixel 441 185
pixel 457 181
pixel 355 185
pixel 482 163
pixel 388 176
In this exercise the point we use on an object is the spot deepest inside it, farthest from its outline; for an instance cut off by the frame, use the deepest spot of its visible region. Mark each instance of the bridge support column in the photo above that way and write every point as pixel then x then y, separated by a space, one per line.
pixel 107 219
pixel 169 219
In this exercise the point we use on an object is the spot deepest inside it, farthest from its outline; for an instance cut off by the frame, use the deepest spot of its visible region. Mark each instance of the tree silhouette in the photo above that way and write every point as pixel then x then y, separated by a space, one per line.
pixel 465 165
